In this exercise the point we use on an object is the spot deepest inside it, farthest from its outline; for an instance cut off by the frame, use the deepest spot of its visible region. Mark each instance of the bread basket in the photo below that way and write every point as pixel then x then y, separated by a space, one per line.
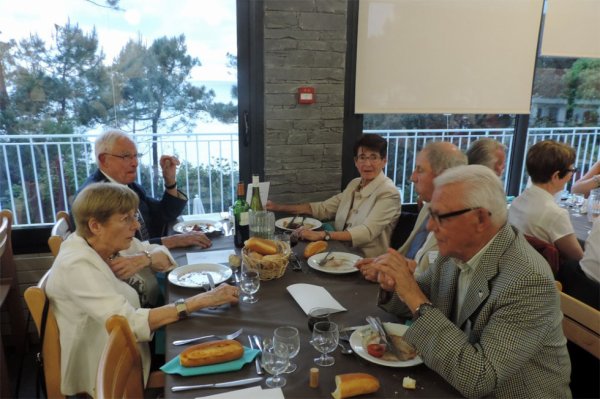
pixel 274 265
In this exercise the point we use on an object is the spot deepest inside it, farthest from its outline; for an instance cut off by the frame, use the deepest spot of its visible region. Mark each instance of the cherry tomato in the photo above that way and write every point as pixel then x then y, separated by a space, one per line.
pixel 376 350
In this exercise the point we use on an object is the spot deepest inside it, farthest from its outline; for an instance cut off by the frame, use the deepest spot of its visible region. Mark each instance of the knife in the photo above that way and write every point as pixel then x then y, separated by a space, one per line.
pixel 257 364
pixel 390 343
pixel 217 385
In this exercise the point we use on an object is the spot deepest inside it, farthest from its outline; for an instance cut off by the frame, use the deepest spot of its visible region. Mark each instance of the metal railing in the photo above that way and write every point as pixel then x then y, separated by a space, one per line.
pixel 40 174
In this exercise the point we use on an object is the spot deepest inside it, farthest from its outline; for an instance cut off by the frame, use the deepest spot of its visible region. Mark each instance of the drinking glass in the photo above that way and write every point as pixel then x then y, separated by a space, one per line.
pixel 289 336
pixel 317 314
pixel 262 224
pixel 325 339
pixel 249 282
pixel 275 359
pixel 579 202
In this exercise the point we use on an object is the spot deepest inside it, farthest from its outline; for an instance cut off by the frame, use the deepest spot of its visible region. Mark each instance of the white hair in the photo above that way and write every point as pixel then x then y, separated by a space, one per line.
pixel 482 188
pixel 106 141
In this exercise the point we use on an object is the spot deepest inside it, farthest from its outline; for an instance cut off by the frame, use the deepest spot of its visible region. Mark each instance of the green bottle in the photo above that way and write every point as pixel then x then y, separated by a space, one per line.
pixel 255 202
pixel 240 212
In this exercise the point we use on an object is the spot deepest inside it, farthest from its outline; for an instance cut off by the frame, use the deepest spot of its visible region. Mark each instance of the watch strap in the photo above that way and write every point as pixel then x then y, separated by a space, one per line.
pixel 327 236
pixel 171 186
pixel 182 312
pixel 422 308
pixel 149 256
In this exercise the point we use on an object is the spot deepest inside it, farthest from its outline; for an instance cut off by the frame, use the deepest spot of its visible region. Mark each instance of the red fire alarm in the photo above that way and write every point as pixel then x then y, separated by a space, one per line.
pixel 306 95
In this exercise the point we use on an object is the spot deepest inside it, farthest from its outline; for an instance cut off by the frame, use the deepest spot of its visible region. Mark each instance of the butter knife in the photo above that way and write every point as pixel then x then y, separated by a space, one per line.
pixel 390 343
pixel 257 364
pixel 227 384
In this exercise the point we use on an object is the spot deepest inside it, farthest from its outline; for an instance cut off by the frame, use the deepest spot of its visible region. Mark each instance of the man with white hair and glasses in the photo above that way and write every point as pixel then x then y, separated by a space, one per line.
pixel 486 314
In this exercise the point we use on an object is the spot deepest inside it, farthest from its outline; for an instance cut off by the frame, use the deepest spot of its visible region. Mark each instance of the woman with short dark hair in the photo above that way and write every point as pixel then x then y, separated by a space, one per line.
pixel 534 212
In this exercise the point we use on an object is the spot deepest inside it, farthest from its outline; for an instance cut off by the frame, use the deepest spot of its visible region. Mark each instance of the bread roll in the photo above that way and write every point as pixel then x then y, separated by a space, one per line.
pixel 261 245
pixel 314 248
pixel 211 353
pixel 354 384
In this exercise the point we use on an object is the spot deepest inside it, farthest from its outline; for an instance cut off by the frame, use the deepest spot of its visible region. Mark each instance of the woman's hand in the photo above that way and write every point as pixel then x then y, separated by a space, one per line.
pixel 126 266
pixel 309 235
pixel 221 295
pixel 365 266
pixel 187 239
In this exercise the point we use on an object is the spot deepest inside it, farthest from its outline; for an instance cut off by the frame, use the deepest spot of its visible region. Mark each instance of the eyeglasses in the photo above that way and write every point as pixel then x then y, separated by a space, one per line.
pixel 436 217
pixel 126 157
pixel 129 219
pixel 364 158
pixel 573 170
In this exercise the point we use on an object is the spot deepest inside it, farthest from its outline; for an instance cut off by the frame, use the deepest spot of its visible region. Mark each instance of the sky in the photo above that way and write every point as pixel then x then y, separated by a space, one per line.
pixel 209 26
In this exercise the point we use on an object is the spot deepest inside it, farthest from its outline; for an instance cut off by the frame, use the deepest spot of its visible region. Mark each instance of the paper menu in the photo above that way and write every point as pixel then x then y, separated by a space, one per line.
pixel 254 392
pixel 310 296
pixel 263 186
pixel 217 256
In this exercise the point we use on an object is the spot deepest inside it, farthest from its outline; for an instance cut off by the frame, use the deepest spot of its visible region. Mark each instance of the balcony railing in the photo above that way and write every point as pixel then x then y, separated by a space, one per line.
pixel 40 174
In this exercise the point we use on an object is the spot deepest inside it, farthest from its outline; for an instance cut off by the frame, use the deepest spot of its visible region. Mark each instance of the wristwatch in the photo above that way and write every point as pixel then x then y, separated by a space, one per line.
pixel 149 256
pixel 171 186
pixel 182 312
pixel 422 309
pixel 327 236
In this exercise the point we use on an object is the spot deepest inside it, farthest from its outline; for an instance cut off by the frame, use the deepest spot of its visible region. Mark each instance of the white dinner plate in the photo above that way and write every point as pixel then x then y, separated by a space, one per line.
pixel 310 223
pixel 347 266
pixel 356 342
pixel 194 276
pixel 203 225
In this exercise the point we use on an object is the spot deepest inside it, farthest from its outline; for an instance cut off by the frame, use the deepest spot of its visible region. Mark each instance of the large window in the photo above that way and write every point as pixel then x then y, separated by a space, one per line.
pixel 164 72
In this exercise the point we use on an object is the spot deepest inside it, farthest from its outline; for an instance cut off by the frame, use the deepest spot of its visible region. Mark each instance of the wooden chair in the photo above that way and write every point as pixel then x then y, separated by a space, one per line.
pixel 60 231
pixel 35 297
pixel 10 298
pixel 120 373
pixel 581 324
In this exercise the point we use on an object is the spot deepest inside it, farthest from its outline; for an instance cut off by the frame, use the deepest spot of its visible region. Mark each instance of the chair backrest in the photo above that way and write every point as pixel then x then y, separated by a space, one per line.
pixel 120 373
pixel 35 297
pixel 548 251
pixel 60 231
pixel 581 324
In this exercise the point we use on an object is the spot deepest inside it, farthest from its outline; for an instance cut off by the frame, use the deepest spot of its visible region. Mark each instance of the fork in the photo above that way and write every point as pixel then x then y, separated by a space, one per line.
pixel 233 335
pixel 211 286
pixel 324 260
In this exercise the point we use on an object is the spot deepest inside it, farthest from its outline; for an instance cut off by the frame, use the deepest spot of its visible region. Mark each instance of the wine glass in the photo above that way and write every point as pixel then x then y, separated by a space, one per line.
pixel 325 339
pixel 249 282
pixel 317 314
pixel 289 336
pixel 275 359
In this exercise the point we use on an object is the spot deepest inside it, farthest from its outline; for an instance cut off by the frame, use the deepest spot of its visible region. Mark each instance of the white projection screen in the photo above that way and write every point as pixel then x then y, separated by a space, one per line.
pixel 446 56
pixel 572 29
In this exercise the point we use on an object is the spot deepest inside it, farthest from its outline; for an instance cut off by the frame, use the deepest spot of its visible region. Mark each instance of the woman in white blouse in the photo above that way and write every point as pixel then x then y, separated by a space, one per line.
pixel 534 212
pixel 366 212
pixel 84 291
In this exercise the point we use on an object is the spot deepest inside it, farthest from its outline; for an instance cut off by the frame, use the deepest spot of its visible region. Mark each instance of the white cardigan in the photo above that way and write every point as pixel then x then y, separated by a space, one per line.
pixel 83 294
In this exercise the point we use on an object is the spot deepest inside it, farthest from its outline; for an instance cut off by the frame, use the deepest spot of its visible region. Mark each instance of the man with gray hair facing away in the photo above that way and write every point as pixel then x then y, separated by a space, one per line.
pixel 420 246
pixel 486 314
pixel 488 152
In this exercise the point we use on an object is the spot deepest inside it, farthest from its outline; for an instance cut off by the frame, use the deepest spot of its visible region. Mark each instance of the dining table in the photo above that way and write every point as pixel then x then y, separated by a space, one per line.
pixel 275 308
pixel 581 225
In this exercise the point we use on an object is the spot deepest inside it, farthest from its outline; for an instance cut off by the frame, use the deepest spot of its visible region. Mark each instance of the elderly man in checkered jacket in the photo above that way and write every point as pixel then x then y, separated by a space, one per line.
pixel 487 313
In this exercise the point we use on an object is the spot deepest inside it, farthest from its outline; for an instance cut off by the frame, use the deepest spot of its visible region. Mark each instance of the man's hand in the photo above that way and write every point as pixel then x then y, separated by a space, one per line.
pixel 396 271
pixel 168 164
pixel 366 269
pixel 186 240
pixel 126 266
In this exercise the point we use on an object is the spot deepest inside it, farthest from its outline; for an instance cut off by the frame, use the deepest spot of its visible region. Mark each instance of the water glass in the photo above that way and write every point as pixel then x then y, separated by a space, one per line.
pixel 325 339
pixel 289 336
pixel 249 282
pixel 317 314
pixel 593 205
pixel 262 224
pixel 275 359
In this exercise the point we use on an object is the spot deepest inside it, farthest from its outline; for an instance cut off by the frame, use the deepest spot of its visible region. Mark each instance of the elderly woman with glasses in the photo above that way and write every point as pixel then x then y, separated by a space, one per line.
pixel 366 212
pixel 84 290
pixel 534 212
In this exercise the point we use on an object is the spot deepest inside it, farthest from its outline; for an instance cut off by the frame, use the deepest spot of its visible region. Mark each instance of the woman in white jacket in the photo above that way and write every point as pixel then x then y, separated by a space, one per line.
pixel 84 290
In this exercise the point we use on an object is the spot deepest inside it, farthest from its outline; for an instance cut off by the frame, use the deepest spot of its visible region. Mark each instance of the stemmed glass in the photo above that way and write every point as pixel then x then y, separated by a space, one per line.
pixel 249 282
pixel 325 339
pixel 275 359
pixel 289 336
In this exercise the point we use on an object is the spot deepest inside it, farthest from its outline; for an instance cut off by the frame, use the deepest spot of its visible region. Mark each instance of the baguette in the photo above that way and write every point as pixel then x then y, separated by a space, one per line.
pixel 211 353
pixel 354 384
pixel 314 248
pixel 261 245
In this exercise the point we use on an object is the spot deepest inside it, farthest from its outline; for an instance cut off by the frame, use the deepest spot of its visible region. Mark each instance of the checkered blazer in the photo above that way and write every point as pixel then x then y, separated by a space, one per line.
pixel 508 341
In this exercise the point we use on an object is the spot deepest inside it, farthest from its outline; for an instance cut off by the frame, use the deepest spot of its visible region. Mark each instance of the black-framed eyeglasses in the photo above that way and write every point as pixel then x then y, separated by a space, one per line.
pixel 572 170
pixel 436 217
pixel 364 158
pixel 126 157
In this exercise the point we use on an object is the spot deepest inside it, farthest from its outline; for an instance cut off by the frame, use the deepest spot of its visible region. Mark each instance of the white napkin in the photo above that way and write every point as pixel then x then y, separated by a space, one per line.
pixel 263 187
pixel 220 256
pixel 311 296
pixel 254 392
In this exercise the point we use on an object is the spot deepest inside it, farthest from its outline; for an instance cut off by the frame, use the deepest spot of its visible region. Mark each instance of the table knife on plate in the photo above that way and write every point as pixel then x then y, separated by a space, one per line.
pixel 227 384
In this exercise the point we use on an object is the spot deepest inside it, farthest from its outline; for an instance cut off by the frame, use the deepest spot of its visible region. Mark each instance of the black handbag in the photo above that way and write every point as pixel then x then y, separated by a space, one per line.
pixel 40 379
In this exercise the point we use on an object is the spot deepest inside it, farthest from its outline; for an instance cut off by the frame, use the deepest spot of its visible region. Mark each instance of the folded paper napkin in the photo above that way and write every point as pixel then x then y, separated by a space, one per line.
pixel 173 366
pixel 217 256
pixel 311 296
pixel 254 392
